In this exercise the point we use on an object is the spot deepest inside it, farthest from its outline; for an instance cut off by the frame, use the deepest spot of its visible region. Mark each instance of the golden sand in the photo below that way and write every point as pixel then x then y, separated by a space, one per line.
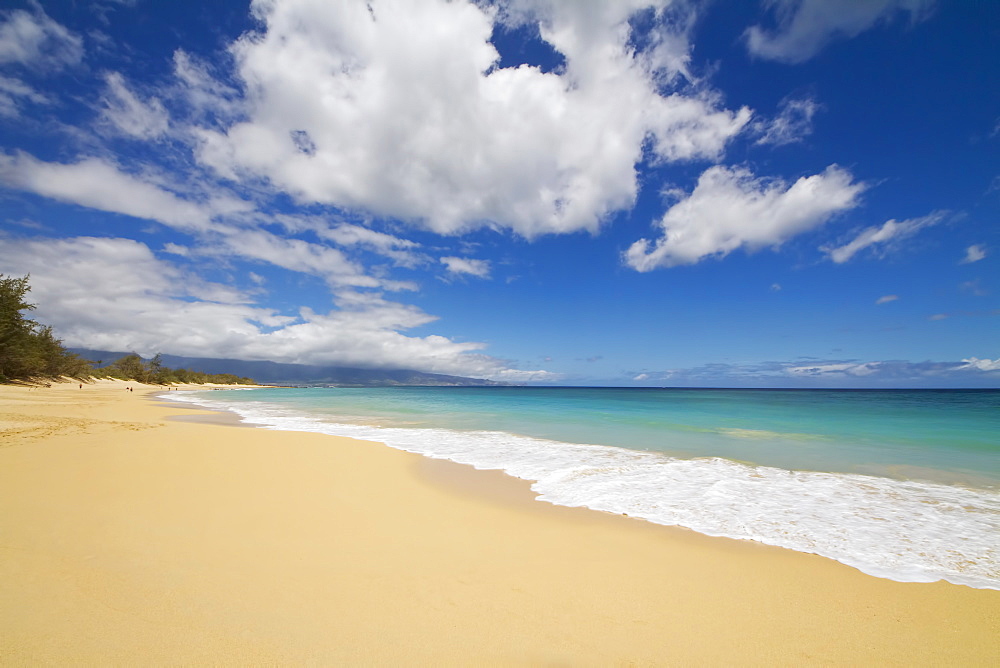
pixel 130 539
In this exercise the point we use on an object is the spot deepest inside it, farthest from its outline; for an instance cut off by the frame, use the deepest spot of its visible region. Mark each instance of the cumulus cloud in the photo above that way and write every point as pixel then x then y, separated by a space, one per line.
pixel 974 254
pixel 730 208
pixel 467 266
pixel 116 294
pixel 890 233
pixel 885 299
pixel 400 109
pixel 805 27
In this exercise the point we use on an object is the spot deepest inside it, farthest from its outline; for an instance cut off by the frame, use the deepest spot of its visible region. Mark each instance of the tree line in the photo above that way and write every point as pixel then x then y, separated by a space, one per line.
pixel 29 351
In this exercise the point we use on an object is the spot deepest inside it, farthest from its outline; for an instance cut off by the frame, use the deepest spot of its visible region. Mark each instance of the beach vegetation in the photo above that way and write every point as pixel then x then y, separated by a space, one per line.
pixel 27 348
pixel 30 351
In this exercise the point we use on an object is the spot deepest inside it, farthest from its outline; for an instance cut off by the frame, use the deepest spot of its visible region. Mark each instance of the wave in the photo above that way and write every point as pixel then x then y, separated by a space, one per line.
pixel 909 531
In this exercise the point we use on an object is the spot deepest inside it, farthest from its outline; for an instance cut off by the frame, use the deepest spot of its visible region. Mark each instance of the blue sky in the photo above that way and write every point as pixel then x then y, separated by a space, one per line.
pixel 793 193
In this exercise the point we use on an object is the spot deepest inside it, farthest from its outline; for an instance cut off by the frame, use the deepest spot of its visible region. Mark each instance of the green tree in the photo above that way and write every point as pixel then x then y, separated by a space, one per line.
pixel 130 367
pixel 157 372
pixel 21 351
pixel 30 350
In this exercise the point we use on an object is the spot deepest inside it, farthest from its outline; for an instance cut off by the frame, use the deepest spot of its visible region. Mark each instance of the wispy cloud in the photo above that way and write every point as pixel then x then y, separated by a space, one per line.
pixel 35 41
pixel 122 108
pixel 805 27
pixel 974 254
pixel 885 299
pixel 889 233
pixel 973 287
pixel 96 183
pixel 467 266
pixel 976 364
pixel 792 124
pixel 31 41
pixel 967 372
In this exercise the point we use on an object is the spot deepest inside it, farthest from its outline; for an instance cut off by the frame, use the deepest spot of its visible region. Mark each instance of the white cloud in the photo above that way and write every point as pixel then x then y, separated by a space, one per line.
pixel 131 115
pixel 885 299
pixel 403 252
pixel 13 92
pixel 976 364
pixel 805 27
pixel 730 209
pixel 97 184
pixel 974 254
pixel 32 39
pixel 970 372
pixel 791 125
pixel 296 255
pixel 846 369
pixel 207 97
pixel 891 232
pixel 115 294
pixel 468 266
pixel 401 111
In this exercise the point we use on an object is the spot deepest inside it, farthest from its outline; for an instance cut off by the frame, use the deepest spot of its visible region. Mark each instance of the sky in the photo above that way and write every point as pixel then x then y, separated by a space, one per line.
pixel 783 193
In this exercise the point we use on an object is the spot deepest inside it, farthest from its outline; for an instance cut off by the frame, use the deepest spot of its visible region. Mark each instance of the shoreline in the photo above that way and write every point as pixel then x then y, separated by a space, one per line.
pixel 879 533
pixel 133 537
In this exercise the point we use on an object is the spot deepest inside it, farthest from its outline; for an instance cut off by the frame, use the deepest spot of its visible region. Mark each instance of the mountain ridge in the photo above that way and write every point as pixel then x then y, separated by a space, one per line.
pixel 281 373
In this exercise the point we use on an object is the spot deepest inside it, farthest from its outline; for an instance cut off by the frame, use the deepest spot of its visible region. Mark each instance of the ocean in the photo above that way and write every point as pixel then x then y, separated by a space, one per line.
pixel 900 484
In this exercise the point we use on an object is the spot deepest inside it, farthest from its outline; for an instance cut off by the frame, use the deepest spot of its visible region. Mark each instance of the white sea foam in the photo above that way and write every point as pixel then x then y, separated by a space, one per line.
pixel 902 530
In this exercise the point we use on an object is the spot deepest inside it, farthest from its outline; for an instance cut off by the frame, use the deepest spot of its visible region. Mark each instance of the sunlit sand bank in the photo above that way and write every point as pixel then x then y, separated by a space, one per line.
pixel 130 538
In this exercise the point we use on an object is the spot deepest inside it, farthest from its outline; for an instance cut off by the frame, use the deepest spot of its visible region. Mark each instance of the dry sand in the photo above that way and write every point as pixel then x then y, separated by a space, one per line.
pixel 130 539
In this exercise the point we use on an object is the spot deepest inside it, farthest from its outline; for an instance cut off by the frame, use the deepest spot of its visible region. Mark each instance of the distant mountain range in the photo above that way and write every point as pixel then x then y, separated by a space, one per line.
pixel 275 373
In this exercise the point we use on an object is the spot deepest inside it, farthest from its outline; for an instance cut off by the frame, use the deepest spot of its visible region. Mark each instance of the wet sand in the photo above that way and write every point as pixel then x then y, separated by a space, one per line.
pixel 130 538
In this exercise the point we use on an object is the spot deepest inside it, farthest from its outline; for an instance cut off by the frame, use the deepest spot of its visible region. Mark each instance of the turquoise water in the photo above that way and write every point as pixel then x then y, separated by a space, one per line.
pixel 901 484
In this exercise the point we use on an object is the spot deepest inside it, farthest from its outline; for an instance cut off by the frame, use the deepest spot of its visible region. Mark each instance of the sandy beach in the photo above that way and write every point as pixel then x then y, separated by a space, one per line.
pixel 134 532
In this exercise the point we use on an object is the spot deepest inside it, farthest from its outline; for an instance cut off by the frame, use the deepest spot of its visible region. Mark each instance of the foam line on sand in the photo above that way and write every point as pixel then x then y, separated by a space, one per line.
pixel 130 539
